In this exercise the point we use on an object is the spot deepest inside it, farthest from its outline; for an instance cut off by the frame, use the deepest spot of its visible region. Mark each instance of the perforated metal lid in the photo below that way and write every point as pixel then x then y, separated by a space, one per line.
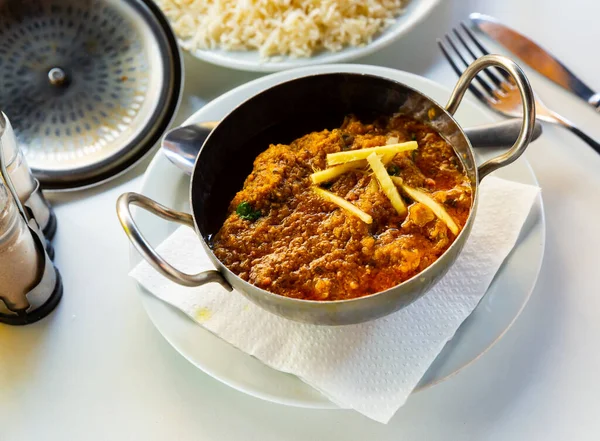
pixel 89 85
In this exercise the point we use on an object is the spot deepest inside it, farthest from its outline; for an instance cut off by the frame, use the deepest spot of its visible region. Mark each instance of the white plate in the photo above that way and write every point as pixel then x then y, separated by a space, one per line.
pixel 415 11
pixel 504 301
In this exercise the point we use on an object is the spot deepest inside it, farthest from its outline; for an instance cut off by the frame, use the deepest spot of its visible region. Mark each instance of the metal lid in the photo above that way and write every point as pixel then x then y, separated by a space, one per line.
pixel 89 86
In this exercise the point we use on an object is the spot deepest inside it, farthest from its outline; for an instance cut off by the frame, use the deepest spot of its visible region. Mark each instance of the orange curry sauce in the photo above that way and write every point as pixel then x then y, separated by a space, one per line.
pixel 293 243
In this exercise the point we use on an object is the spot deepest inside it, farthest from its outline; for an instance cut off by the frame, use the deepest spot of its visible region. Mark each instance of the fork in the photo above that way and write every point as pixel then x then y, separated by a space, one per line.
pixel 494 87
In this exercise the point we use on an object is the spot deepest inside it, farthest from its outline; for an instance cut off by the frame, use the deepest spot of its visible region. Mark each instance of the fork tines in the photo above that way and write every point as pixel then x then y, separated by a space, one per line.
pixel 460 49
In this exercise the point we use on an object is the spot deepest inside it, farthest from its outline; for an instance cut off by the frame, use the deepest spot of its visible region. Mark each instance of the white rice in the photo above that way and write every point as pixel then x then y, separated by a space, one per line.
pixel 297 28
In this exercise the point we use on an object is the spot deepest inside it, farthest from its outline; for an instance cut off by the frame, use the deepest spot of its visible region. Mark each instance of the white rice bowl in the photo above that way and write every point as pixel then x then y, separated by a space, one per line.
pixel 273 28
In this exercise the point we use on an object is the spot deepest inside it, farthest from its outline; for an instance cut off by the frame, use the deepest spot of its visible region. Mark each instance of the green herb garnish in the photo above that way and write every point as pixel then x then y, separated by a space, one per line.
pixel 413 136
pixel 450 203
pixel 393 170
pixel 347 141
pixel 245 211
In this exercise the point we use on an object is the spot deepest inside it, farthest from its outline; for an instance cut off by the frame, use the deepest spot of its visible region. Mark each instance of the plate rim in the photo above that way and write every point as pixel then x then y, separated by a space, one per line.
pixel 228 59
pixel 325 403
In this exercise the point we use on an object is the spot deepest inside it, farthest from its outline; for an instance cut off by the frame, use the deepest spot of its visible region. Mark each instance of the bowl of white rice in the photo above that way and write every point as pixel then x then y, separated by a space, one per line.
pixel 274 35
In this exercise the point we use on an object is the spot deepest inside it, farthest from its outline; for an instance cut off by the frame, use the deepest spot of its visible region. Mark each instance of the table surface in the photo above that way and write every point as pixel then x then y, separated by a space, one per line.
pixel 97 369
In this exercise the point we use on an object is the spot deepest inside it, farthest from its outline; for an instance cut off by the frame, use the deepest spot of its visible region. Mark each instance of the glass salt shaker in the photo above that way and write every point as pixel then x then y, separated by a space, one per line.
pixel 26 186
pixel 19 261
pixel 30 285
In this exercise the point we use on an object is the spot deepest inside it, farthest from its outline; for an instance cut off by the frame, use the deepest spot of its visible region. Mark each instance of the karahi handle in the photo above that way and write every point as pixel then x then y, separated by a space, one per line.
pixel 149 253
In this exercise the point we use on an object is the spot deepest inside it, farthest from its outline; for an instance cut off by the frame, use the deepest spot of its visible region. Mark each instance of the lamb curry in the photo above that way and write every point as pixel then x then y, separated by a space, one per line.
pixel 343 213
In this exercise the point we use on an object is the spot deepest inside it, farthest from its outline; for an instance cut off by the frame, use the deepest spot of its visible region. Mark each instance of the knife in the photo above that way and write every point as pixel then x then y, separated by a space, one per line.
pixel 535 57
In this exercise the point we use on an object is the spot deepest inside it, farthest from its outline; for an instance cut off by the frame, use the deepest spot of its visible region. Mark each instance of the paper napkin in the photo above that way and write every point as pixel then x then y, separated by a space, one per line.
pixel 370 367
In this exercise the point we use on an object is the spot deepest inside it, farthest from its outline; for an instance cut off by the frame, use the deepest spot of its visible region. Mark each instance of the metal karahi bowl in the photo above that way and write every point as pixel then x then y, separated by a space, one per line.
pixel 300 106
